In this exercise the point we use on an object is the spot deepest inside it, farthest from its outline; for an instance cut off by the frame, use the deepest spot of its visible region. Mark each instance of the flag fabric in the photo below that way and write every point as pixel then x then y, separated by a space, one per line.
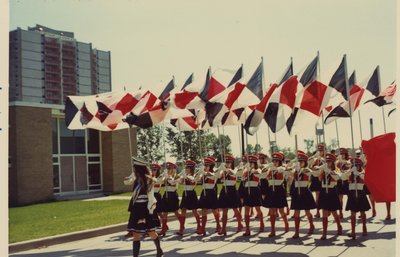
pixel 165 93
pixel 255 84
pixel 282 101
pixel 358 96
pixel 253 121
pixel 188 97
pixel 103 112
pixel 385 97
pixel 380 171
pixel 391 111
pixel 310 100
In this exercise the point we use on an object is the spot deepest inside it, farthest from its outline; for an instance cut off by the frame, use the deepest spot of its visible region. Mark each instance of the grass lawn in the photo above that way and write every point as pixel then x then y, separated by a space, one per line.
pixel 42 220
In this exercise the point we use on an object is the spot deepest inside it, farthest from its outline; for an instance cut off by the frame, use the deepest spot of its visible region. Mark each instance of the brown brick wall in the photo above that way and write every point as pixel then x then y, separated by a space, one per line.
pixel 116 160
pixel 31 174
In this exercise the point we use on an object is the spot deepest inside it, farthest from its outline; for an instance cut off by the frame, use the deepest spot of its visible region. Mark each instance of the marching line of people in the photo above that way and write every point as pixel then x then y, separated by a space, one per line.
pixel 261 184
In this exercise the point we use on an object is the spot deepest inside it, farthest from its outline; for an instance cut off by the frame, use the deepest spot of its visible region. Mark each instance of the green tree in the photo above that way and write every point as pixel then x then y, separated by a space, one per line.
pixel 309 145
pixel 150 145
pixel 253 149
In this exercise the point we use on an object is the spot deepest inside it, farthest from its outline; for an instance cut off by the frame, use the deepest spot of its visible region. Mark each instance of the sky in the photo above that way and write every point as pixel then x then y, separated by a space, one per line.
pixel 151 41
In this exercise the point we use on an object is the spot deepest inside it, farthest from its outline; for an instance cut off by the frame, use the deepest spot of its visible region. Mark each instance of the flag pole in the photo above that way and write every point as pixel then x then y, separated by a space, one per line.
pixel 383 111
pixel 359 123
pixel 337 134
pixel 297 162
pixel 351 114
pixel 256 149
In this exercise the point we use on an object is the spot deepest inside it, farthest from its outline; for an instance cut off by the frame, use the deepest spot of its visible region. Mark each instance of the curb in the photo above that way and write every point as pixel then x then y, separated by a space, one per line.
pixel 74 236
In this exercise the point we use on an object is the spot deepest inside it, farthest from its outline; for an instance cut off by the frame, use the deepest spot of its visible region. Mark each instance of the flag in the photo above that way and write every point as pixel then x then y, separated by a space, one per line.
pixel 282 101
pixel 165 93
pixel 385 97
pixel 255 84
pixel 253 121
pixel 188 97
pixel 310 100
pixel 380 171
pixel 358 96
pixel 102 111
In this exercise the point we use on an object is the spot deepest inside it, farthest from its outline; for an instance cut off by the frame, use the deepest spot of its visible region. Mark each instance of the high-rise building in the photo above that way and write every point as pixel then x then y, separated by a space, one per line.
pixel 46 159
pixel 47 65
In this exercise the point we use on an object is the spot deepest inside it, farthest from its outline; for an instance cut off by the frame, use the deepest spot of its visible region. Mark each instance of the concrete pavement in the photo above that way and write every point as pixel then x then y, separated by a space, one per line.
pixel 379 242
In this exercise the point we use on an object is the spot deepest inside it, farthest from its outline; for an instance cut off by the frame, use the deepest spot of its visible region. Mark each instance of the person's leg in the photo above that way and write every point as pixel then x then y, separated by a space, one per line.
pixel 296 223
pixel 181 218
pixel 163 223
pixel 284 217
pixel 364 223
pixel 224 221
pixel 136 244
pixel 353 225
pixel 247 220
pixel 325 215
pixel 372 200
pixel 239 219
pixel 341 206
pixel 311 222
pixel 317 214
pixel 203 221
pixel 197 217
pixel 153 235
pixel 337 220
pixel 387 211
pixel 216 216
pixel 272 218
pixel 261 217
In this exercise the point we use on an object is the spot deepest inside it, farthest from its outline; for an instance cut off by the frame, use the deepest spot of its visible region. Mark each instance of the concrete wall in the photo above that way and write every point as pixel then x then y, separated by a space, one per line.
pixel 116 159
pixel 31 172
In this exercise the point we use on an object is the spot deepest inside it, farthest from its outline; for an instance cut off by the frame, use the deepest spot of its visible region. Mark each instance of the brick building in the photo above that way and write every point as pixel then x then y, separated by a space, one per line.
pixel 46 159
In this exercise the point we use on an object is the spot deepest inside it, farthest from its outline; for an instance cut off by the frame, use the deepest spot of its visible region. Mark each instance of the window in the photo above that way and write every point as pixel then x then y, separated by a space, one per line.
pixel 94 174
pixel 93 141
pixel 71 141
pixel 55 135
pixel 56 178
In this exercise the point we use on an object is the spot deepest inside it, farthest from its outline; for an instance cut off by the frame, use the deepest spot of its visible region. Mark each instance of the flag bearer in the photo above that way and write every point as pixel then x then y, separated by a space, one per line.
pixel 357 199
pixel 170 198
pixel 229 197
pixel 252 193
pixel 208 198
pixel 302 198
pixel 316 161
pixel 343 163
pixel 189 197
pixel 329 197
pixel 276 200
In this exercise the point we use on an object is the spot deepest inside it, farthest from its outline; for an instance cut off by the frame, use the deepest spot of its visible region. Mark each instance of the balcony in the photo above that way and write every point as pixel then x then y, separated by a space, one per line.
pixel 68 56
pixel 69 72
pixel 52 70
pixel 69 64
pixel 69 81
pixel 68 47
pixel 53 79
pixel 53 88
pixel 52 45
pixel 52 53
pixel 68 90
pixel 52 96
pixel 52 61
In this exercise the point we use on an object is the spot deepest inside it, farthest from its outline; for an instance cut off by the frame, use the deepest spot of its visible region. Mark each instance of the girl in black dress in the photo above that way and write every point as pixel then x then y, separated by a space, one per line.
pixel 316 161
pixel 302 198
pixel 141 208
pixel 229 197
pixel 189 197
pixel 170 198
pixel 329 197
pixel 155 172
pixel 357 199
pixel 208 198
pixel 343 163
pixel 252 193
pixel 276 199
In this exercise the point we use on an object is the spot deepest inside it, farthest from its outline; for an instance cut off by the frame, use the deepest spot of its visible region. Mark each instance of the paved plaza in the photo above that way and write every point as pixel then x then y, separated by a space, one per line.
pixel 379 242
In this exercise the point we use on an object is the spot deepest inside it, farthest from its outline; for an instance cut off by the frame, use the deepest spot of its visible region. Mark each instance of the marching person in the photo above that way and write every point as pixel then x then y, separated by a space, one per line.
pixel 315 161
pixel 239 175
pixel 302 198
pixel 343 163
pixel 208 198
pixel 141 208
pixel 276 200
pixel 251 193
pixel 329 197
pixel 189 197
pixel 229 197
pixel 357 199
pixel 170 198
pixel 263 177
pixel 362 157
pixel 155 172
